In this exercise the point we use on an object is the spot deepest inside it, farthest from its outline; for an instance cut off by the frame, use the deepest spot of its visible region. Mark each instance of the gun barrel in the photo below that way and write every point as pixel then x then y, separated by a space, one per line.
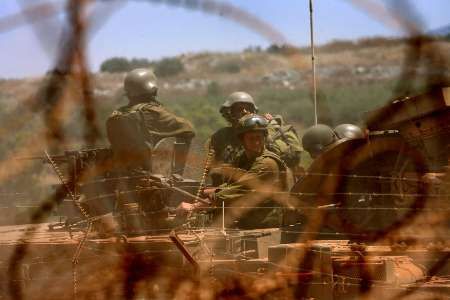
pixel 59 158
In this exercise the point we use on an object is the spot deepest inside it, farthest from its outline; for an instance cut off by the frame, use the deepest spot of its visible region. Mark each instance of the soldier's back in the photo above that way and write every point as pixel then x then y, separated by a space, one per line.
pixel 226 145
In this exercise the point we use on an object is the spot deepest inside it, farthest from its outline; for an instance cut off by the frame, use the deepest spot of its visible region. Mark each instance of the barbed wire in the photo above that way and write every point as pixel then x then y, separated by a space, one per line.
pixel 71 65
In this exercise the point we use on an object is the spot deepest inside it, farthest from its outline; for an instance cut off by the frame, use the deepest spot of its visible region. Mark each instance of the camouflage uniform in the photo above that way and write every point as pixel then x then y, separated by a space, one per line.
pixel 266 171
pixel 226 145
pixel 283 141
pixel 157 123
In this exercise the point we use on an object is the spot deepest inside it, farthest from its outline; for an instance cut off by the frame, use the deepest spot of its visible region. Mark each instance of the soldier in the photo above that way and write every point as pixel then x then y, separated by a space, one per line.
pixel 134 129
pixel 225 142
pixel 260 174
pixel 348 131
pixel 282 139
pixel 317 138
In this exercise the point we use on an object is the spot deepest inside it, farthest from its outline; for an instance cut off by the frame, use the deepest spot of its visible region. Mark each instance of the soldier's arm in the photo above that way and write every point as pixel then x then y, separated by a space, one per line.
pixel 295 141
pixel 256 180
pixel 166 124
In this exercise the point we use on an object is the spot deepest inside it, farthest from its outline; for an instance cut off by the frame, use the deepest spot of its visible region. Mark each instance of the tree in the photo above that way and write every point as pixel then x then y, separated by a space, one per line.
pixel 115 65
pixel 168 67
pixel 140 63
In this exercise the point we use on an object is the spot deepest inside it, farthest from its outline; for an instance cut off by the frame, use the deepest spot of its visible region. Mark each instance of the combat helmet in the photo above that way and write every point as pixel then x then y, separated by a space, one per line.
pixel 317 138
pixel 140 83
pixel 236 97
pixel 348 131
pixel 252 122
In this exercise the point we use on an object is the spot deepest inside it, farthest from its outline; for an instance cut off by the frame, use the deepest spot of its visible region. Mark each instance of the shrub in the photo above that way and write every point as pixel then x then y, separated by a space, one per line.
pixel 213 89
pixel 122 64
pixel 115 65
pixel 338 45
pixel 282 49
pixel 168 67
pixel 228 67
pixel 140 63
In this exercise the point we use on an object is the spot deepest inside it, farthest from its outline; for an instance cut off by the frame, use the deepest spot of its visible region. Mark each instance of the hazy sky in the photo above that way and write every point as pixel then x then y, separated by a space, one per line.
pixel 155 29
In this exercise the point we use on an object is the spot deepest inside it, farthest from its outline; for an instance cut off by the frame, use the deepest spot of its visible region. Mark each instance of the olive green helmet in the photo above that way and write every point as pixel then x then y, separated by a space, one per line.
pixel 140 83
pixel 348 131
pixel 252 122
pixel 317 138
pixel 236 97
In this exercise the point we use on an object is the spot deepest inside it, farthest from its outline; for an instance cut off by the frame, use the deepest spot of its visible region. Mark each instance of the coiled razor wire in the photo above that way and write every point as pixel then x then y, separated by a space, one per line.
pixel 72 57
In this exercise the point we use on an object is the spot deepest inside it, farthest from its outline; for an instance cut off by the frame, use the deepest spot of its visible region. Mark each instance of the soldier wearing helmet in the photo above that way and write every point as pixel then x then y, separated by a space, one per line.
pixel 348 131
pixel 225 142
pixel 258 173
pixel 236 106
pixel 282 139
pixel 317 138
pixel 134 129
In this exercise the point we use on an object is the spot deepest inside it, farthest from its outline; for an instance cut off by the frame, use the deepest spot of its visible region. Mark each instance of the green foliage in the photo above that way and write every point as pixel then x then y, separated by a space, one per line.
pixel 213 89
pixel 115 65
pixel 335 105
pixel 282 49
pixel 203 112
pixel 168 67
pixel 140 63
pixel 229 66
pixel 163 68
pixel 342 45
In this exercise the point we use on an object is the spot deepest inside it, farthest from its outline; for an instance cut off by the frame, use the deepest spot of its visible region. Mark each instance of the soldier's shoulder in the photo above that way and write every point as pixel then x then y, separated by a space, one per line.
pixel 223 133
pixel 269 160
pixel 156 110
pixel 273 159
pixel 121 110
pixel 267 154
pixel 151 106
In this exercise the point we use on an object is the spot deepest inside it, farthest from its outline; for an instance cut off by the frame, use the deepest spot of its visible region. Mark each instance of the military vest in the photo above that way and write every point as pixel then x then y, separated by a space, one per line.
pixel 286 178
pixel 283 140
pixel 130 141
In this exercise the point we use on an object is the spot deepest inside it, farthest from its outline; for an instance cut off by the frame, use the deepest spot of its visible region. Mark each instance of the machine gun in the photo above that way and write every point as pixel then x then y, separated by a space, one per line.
pixel 140 199
pixel 80 165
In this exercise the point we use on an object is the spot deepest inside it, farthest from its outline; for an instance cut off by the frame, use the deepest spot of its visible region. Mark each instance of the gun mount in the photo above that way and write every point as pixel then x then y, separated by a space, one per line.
pixel 423 121
pixel 137 199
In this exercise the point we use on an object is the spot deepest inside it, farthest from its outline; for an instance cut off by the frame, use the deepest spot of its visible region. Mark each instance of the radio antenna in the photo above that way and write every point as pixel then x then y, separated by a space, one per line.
pixel 313 62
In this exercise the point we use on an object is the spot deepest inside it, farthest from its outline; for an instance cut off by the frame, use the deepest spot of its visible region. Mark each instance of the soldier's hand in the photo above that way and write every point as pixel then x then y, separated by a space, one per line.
pixel 208 192
pixel 269 117
pixel 186 207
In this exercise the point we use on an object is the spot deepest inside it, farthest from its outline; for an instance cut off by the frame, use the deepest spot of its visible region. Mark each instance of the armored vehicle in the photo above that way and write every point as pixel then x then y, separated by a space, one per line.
pixel 368 219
